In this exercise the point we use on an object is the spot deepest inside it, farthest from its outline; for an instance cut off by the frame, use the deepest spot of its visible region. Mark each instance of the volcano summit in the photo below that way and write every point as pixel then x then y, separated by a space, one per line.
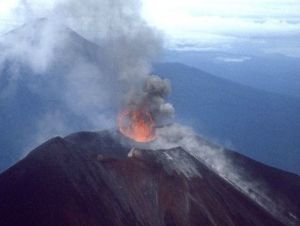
pixel 97 179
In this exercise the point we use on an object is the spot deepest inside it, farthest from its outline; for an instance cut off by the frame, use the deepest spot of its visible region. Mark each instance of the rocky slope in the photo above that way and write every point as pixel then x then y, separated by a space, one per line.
pixel 91 179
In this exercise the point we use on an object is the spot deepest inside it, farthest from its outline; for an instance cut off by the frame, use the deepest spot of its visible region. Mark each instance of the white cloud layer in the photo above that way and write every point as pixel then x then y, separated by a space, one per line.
pixel 219 24
pixel 200 24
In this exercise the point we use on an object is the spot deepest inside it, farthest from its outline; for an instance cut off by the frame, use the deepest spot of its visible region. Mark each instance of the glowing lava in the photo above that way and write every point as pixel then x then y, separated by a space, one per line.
pixel 137 124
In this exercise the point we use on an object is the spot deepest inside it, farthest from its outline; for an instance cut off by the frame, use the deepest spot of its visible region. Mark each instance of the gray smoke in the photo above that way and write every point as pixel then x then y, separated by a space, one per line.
pixel 157 90
pixel 91 78
pixel 152 97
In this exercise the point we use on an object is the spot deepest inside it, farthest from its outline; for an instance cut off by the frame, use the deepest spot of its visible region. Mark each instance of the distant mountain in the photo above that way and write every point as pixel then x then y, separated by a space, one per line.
pixel 259 124
pixel 28 96
pixel 87 179
pixel 270 72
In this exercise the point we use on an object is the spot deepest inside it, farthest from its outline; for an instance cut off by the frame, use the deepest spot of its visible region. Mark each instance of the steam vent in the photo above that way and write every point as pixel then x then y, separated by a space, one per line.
pixel 93 179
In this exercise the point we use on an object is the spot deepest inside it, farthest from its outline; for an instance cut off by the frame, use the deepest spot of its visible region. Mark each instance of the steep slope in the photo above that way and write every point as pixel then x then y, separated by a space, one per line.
pixel 264 126
pixel 87 179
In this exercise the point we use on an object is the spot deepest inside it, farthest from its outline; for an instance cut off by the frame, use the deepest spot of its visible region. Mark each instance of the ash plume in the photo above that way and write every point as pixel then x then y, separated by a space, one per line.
pixel 90 78
pixel 152 96
pixel 157 90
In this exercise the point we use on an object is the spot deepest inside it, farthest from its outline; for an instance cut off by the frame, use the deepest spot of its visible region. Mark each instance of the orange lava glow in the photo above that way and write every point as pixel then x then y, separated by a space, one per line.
pixel 137 125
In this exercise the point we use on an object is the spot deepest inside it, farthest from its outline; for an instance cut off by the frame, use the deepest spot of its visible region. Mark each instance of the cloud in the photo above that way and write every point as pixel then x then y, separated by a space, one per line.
pixel 218 24
pixel 194 24
pixel 233 59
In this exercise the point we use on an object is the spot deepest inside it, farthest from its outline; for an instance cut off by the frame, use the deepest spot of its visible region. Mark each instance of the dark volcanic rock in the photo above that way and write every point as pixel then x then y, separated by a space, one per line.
pixel 87 179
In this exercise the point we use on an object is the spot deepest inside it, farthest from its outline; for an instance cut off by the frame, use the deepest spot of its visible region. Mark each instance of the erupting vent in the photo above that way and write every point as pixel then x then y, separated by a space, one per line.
pixel 137 124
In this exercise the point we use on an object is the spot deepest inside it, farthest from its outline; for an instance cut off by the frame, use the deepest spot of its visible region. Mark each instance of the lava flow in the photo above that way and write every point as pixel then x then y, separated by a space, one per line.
pixel 137 124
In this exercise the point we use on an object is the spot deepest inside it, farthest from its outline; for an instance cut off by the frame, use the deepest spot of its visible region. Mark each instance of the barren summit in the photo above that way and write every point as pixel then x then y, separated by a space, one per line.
pixel 92 179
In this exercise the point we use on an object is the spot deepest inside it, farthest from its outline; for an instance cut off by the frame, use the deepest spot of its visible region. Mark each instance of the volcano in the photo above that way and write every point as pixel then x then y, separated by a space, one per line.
pixel 91 178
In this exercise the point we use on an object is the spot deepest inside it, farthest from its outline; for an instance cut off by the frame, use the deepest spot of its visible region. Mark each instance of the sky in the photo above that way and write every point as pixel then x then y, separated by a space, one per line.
pixel 232 25
pixel 243 26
